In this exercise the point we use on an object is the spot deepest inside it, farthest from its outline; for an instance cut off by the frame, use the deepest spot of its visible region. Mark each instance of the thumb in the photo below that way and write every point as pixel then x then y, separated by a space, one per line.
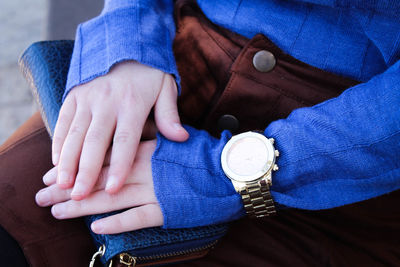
pixel 166 112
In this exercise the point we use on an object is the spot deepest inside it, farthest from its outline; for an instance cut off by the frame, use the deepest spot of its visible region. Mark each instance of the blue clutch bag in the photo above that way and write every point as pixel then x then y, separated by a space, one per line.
pixel 45 66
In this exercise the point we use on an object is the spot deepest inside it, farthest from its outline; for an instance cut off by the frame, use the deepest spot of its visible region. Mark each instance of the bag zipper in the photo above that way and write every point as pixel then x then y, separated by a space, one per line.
pixel 171 254
pixel 130 261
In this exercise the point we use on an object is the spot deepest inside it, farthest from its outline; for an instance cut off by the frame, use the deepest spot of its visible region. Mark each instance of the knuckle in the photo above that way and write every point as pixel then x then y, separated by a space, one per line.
pixel 119 222
pixel 122 137
pixel 94 135
pixel 75 130
pixel 142 218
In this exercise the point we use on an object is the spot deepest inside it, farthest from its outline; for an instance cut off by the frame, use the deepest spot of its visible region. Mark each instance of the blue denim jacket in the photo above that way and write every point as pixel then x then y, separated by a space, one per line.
pixel 341 151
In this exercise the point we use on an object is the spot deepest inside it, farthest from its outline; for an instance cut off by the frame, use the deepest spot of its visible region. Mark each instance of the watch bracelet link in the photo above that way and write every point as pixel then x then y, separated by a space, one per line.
pixel 257 200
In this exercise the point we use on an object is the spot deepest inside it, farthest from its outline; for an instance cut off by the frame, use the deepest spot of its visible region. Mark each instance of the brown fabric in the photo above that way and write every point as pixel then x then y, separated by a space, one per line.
pixel 45 241
pixel 217 78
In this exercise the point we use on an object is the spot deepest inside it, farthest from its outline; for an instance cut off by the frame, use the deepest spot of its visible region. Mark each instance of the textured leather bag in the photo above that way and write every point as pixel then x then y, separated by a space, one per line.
pixel 45 66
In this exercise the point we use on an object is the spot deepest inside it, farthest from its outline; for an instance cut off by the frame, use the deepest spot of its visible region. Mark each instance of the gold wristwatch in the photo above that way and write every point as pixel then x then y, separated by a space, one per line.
pixel 248 160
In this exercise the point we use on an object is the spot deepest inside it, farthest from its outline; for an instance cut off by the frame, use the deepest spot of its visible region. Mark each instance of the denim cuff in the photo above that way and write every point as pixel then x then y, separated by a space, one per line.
pixel 190 184
pixel 135 32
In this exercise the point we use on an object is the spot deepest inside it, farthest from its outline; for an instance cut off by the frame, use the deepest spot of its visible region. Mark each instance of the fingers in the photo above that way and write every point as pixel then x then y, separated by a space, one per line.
pixel 166 112
pixel 147 212
pixel 71 149
pixel 64 121
pixel 140 173
pixel 96 143
pixel 149 215
pixel 50 177
pixel 125 143
pixel 100 202
pixel 138 193
pixel 53 194
pixel 82 136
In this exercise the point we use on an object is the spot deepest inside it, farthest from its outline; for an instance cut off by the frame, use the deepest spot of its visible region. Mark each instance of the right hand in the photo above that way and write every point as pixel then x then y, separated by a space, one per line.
pixel 137 196
pixel 111 109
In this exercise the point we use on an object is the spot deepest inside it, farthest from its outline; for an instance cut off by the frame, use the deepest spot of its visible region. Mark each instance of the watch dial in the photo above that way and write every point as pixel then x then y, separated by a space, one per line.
pixel 247 156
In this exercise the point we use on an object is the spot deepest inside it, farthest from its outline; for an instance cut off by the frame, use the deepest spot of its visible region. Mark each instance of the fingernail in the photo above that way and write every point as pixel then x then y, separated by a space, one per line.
pixel 55 158
pixel 58 211
pixel 43 198
pixel 46 178
pixel 98 227
pixel 64 178
pixel 111 183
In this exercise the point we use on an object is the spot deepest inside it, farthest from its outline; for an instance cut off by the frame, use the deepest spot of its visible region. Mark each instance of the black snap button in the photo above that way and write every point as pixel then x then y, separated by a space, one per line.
pixel 228 122
pixel 264 61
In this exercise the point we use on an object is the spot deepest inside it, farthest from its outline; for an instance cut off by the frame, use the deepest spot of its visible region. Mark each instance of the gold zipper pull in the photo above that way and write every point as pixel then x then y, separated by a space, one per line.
pixel 99 254
pixel 127 260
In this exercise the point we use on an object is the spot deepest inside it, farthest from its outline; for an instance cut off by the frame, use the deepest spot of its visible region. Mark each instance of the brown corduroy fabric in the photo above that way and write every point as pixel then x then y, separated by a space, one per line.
pixel 218 78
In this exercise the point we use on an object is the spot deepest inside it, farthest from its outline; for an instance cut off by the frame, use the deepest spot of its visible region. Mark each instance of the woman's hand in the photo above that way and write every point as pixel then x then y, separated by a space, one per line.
pixel 136 194
pixel 111 109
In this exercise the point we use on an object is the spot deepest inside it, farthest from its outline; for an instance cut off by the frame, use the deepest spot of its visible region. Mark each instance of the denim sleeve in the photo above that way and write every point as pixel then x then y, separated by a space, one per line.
pixel 387 7
pixel 341 151
pixel 138 30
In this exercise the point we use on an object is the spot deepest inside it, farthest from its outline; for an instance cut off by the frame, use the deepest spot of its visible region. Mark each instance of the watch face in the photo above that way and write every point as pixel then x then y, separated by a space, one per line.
pixel 247 157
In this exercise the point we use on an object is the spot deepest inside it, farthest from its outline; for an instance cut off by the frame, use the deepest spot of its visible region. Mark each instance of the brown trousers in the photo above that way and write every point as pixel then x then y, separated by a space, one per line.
pixel 218 78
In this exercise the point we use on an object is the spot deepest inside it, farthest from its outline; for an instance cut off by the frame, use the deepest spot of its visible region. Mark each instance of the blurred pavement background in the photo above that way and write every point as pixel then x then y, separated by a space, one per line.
pixel 23 22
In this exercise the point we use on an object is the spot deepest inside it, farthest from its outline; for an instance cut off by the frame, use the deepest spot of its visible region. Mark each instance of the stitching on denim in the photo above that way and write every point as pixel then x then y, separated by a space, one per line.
pixel 364 58
pixel 236 11
pixel 343 149
pixel 335 33
pixel 186 166
pixel 395 56
pixel 301 26
pixel 353 179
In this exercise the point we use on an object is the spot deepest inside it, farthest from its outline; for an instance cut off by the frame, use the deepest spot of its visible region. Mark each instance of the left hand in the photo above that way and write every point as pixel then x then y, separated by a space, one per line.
pixel 111 110
pixel 137 194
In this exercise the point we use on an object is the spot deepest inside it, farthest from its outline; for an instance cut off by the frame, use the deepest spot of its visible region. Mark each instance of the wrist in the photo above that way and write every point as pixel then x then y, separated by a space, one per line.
pixel 248 160
pixel 189 182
